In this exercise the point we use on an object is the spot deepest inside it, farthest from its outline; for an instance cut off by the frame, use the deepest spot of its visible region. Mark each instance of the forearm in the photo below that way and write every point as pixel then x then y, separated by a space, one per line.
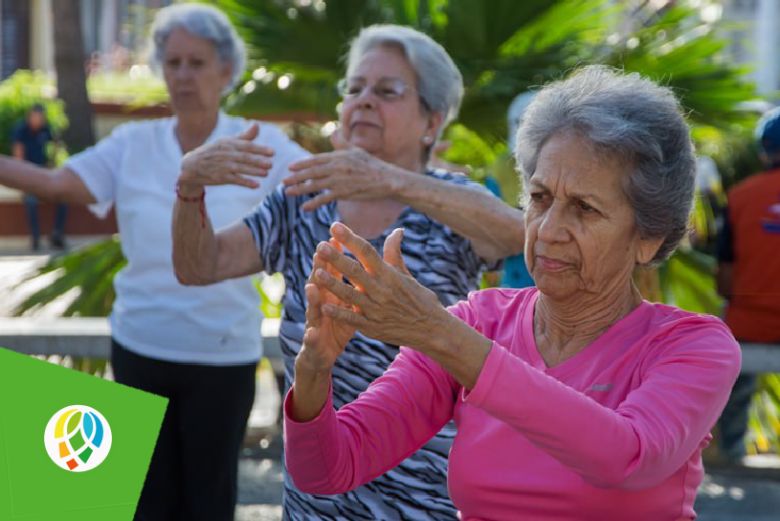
pixel 28 177
pixel 194 244
pixel 650 434
pixel 458 348
pixel 495 228
pixel 335 452
pixel 310 392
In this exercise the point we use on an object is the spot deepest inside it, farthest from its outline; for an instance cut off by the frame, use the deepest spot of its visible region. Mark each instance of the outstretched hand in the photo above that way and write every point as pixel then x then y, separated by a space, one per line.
pixel 383 301
pixel 235 160
pixel 348 172
pixel 324 339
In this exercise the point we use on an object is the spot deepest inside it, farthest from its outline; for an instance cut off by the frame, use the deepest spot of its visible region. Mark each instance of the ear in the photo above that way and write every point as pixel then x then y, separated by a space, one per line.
pixel 646 249
pixel 435 121
pixel 226 74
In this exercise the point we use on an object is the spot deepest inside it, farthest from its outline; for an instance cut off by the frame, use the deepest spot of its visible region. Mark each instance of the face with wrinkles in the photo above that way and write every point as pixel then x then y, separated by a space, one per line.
pixel 580 230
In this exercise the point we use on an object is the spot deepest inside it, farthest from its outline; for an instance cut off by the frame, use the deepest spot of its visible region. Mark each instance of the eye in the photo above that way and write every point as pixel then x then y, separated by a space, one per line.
pixel 537 197
pixel 353 90
pixel 387 92
pixel 172 62
pixel 197 63
pixel 585 207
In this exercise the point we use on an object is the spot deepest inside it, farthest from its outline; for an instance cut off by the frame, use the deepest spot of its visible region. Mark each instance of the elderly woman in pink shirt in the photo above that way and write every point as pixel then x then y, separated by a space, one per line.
pixel 576 399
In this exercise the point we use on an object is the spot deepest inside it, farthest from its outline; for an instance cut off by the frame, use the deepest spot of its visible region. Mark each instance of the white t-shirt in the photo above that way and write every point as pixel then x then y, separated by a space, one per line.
pixel 136 168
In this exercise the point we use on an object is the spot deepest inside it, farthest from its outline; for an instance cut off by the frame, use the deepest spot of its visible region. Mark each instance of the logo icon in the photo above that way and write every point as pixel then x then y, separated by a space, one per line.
pixel 77 438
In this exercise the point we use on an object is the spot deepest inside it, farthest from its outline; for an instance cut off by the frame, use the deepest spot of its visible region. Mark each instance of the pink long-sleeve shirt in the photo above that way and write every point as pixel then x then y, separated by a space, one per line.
pixel 613 433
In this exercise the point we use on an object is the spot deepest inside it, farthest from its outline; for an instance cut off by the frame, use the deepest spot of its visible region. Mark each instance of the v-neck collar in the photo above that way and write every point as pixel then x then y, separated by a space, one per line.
pixel 587 353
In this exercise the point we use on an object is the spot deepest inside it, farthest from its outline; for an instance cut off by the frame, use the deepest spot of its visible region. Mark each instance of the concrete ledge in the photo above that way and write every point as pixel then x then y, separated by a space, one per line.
pixel 91 337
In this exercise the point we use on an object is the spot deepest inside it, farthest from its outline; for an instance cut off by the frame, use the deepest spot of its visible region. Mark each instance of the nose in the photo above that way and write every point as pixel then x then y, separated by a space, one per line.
pixel 183 72
pixel 366 98
pixel 553 227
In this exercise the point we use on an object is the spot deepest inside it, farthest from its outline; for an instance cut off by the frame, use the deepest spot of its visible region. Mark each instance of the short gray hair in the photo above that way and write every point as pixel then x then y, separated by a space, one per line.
pixel 439 82
pixel 634 119
pixel 203 21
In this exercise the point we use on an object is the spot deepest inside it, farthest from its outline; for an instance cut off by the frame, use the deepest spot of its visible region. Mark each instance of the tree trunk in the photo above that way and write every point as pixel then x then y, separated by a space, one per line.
pixel 69 62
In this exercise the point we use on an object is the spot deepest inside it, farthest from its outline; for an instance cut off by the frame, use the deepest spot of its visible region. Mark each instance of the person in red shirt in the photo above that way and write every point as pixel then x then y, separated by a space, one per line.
pixel 749 273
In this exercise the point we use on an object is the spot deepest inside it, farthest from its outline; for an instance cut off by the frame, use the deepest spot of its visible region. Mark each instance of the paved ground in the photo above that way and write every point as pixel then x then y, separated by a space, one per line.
pixel 725 495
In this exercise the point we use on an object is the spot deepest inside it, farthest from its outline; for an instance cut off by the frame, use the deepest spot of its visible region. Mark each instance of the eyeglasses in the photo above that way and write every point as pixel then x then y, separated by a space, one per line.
pixel 386 89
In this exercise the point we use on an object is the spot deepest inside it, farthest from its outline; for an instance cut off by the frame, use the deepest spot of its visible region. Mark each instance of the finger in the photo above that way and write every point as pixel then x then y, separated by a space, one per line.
pixel 346 267
pixel 392 251
pixel 309 174
pixel 360 248
pixel 345 293
pixel 241 180
pixel 308 187
pixel 251 147
pixel 232 167
pixel 315 160
pixel 250 133
pixel 321 200
pixel 313 311
pixel 346 316
pixel 251 160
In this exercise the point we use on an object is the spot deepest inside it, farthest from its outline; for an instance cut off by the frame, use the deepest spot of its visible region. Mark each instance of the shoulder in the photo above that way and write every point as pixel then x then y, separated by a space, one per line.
pixel 139 129
pixel 19 130
pixel 677 333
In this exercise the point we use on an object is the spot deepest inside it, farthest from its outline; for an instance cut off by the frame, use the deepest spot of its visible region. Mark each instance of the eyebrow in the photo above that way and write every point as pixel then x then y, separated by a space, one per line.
pixel 582 196
pixel 382 78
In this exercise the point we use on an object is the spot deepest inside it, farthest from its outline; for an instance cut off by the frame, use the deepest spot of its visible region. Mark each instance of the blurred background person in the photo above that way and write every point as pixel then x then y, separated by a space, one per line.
pixel 30 142
pixel 198 347
pixel 749 274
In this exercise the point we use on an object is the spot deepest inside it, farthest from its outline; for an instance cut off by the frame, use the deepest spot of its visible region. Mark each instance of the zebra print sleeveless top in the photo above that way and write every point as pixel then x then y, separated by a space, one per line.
pixel 438 258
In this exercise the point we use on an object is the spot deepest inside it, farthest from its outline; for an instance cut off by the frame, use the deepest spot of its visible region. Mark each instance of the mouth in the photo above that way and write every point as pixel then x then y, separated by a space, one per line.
pixel 363 124
pixel 550 264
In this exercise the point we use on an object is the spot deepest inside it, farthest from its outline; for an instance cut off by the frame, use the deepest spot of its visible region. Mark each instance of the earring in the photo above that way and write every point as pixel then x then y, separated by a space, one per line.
pixel 427 140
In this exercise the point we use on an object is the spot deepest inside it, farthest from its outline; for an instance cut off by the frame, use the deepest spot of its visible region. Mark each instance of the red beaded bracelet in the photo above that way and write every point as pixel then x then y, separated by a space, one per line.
pixel 201 199
pixel 196 199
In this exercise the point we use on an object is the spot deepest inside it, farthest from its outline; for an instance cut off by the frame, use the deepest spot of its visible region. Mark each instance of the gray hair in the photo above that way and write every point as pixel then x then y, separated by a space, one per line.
pixel 439 82
pixel 637 120
pixel 203 21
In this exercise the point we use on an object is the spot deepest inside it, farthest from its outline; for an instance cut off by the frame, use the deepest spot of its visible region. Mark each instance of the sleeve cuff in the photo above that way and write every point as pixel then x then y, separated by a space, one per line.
pixel 487 377
pixel 322 418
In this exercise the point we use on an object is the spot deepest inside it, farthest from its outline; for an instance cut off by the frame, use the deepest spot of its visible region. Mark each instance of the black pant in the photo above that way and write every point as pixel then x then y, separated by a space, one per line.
pixel 194 470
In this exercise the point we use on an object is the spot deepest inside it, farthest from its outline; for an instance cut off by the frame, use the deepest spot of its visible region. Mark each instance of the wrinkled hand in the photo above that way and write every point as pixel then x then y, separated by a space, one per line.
pixel 346 173
pixel 324 339
pixel 384 302
pixel 233 160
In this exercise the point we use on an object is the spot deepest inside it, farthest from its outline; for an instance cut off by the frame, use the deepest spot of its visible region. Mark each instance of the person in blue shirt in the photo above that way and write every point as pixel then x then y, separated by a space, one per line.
pixel 29 141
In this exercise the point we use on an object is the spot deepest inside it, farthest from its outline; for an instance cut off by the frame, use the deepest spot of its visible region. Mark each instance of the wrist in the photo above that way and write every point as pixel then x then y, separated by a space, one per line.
pixel 189 192
pixel 398 183
pixel 309 370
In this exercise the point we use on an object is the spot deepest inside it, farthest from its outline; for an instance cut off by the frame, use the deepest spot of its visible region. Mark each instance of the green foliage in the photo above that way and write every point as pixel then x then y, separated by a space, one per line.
pixel 18 93
pixel 90 271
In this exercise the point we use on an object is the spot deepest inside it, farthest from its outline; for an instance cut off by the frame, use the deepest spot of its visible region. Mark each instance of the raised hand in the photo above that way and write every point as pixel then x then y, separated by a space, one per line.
pixel 346 173
pixel 324 339
pixel 235 160
pixel 384 301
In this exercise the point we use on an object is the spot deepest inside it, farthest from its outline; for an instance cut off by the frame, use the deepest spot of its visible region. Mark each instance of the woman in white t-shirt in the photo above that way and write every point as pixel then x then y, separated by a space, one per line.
pixel 197 346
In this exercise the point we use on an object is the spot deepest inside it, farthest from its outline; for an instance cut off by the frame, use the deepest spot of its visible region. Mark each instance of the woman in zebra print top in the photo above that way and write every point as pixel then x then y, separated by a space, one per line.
pixel 401 88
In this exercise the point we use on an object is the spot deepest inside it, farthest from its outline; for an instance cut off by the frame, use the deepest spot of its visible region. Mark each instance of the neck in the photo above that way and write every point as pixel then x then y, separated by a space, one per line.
pixel 194 127
pixel 564 327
